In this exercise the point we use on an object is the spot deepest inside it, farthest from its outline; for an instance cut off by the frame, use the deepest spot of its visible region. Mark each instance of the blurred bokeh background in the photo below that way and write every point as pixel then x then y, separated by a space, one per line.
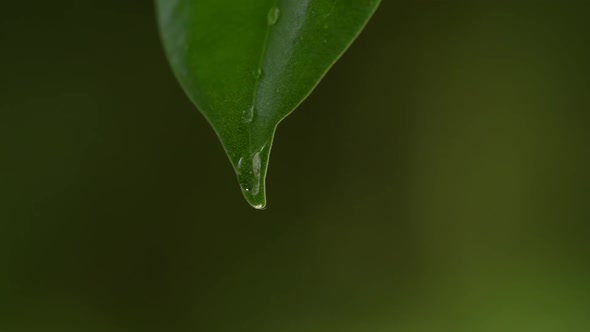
pixel 436 180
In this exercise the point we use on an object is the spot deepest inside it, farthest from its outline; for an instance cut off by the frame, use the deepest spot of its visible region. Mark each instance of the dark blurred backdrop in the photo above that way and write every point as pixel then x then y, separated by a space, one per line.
pixel 436 180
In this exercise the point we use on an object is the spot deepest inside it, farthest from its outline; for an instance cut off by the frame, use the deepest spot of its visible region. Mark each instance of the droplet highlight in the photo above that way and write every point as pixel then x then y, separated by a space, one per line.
pixel 273 15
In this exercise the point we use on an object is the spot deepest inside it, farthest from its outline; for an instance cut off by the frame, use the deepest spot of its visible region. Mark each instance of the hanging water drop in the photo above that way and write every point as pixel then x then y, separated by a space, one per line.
pixel 250 177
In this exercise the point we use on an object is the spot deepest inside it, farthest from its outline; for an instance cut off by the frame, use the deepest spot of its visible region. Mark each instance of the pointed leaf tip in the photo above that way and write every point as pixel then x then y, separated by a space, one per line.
pixel 247 64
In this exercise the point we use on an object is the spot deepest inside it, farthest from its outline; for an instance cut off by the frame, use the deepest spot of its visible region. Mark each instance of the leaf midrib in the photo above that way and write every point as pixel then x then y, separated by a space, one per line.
pixel 259 73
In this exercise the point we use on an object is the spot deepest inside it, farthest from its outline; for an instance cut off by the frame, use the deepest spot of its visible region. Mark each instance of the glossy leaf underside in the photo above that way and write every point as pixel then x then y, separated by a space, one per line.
pixel 246 64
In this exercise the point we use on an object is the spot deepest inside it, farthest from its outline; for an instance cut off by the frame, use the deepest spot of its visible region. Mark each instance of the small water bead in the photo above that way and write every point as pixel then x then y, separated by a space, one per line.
pixel 258 73
pixel 248 114
pixel 273 15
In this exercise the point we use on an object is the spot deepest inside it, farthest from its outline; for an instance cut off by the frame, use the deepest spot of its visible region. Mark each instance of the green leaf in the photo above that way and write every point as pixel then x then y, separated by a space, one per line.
pixel 246 64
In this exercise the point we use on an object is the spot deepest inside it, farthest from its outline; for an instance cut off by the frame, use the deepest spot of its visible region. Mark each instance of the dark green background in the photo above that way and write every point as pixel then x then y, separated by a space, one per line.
pixel 436 180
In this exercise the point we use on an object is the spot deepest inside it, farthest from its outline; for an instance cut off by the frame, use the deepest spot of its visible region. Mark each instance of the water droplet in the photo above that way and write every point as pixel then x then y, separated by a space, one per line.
pixel 273 15
pixel 258 73
pixel 249 170
pixel 248 114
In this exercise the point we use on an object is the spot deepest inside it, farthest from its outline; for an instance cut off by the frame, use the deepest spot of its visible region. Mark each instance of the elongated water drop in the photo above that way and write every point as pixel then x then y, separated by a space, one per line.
pixel 250 177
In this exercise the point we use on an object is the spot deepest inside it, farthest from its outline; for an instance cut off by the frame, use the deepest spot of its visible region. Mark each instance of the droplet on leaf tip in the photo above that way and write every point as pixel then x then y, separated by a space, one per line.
pixel 249 171
pixel 259 207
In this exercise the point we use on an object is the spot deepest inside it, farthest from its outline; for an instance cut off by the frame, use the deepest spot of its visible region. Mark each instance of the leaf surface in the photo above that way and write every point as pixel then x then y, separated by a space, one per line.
pixel 246 64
